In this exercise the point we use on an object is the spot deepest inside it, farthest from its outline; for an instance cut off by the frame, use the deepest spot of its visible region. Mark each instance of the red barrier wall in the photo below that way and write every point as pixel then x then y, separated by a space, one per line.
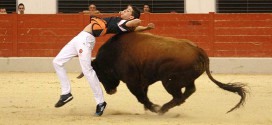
pixel 221 35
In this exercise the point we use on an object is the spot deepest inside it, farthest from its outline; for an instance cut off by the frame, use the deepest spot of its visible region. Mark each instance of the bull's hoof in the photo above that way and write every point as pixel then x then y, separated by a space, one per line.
pixel 154 108
pixel 162 111
pixel 80 76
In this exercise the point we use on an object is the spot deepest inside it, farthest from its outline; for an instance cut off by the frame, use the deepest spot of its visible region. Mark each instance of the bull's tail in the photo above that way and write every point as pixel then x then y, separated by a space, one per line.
pixel 238 88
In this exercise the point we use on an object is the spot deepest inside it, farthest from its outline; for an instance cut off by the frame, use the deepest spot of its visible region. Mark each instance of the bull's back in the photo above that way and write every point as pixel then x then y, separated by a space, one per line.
pixel 155 56
pixel 145 47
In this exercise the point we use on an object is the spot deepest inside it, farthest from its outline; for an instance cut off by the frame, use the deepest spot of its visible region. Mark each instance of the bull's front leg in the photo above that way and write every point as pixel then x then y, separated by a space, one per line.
pixel 141 95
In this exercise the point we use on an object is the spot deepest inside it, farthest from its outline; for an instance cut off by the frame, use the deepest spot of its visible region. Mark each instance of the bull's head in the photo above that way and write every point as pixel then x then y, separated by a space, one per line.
pixel 106 76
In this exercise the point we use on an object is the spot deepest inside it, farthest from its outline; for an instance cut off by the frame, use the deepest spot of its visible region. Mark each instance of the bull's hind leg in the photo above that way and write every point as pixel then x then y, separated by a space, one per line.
pixel 189 90
pixel 178 97
pixel 141 95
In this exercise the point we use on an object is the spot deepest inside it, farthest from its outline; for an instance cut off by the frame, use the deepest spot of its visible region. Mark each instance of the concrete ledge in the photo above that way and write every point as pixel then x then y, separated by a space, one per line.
pixel 241 65
pixel 217 65
pixel 35 64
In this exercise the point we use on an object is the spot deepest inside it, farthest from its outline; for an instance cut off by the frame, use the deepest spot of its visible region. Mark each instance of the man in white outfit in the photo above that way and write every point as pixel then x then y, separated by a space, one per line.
pixel 82 46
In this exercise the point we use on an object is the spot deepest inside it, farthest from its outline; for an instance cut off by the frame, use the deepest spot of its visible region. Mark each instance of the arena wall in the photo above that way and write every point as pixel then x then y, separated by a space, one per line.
pixel 221 35
pixel 231 37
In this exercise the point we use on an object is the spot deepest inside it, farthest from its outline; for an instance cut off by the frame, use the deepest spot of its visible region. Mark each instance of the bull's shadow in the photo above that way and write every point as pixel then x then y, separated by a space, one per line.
pixel 147 113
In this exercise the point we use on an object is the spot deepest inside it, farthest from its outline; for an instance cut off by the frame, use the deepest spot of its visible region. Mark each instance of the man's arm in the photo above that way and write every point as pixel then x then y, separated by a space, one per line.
pixel 134 24
pixel 144 28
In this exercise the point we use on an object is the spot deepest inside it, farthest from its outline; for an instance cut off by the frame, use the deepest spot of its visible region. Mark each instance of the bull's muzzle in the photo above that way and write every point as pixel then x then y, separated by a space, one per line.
pixel 112 91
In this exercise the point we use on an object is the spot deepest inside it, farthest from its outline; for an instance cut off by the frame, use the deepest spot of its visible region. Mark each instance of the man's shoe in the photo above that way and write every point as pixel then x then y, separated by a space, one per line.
pixel 100 108
pixel 64 99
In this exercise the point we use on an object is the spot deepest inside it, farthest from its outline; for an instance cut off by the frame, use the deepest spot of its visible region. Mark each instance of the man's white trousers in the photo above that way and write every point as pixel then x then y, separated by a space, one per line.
pixel 80 46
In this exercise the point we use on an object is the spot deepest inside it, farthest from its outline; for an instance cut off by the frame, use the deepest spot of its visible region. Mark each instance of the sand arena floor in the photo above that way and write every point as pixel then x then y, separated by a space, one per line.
pixel 29 98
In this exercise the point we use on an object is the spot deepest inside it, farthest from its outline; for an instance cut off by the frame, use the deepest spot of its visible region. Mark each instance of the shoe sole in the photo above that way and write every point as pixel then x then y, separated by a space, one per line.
pixel 68 99
pixel 64 102
pixel 101 112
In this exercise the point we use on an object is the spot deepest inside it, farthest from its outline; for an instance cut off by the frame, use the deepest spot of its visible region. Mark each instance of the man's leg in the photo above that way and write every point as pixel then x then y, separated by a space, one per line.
pixel 66 54
pixel 91 76
pixel 84 54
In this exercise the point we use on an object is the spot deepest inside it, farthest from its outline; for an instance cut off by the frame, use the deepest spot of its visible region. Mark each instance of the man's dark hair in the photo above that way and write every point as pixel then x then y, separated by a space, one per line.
pixel 136 12
pixel 21 4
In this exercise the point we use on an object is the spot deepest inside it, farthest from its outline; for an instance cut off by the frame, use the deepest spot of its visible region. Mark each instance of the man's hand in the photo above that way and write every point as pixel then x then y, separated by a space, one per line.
pixel 150 26
pixel 144 28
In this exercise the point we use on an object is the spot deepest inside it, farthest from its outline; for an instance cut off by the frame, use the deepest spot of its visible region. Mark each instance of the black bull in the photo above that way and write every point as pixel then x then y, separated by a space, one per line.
pixel 141 59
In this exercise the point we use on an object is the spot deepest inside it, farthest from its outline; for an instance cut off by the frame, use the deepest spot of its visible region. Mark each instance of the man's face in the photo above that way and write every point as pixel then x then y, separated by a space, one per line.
pixel 127 14
pixel 21 8
pixel 3 10
pixel 146 8
pixel 92 8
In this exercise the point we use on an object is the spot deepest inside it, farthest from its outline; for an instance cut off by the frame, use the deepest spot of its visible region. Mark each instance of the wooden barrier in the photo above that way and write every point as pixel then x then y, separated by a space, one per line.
pixel 221 35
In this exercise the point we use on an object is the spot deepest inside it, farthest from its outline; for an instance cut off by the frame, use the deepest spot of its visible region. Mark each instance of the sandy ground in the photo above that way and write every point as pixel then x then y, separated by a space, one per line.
pixel 29 98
